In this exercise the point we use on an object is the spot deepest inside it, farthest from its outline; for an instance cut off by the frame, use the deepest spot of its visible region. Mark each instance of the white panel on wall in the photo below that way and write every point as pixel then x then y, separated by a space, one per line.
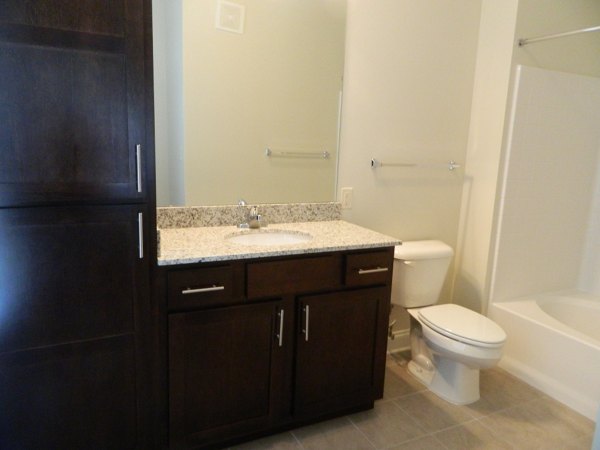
pixel 549 184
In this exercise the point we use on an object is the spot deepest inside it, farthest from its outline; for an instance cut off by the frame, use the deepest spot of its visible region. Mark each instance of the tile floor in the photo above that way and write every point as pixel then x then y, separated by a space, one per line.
pixel 509 415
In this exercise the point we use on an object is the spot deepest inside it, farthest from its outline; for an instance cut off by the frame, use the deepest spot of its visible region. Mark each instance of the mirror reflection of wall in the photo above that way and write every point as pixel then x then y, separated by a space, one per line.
pixel 226 90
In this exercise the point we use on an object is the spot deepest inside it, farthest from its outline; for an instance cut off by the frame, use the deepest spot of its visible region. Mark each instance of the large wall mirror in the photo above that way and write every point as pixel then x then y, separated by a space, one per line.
pixel 235 78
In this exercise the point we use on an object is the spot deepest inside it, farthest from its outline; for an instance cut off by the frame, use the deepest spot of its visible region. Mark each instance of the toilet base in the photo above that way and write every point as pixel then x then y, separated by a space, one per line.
pixel 453 381
pixel 423 375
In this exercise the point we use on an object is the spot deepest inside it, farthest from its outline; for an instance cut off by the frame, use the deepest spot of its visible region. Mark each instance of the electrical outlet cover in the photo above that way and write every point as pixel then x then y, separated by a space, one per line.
pixel 346 197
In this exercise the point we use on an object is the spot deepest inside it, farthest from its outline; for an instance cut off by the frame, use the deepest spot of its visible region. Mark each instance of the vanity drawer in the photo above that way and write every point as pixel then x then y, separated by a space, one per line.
pixel 201 288
pixel 298 275
pixel 370 268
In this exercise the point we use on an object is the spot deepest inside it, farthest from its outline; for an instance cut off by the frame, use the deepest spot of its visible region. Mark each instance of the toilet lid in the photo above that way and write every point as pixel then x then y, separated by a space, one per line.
pixel 463 325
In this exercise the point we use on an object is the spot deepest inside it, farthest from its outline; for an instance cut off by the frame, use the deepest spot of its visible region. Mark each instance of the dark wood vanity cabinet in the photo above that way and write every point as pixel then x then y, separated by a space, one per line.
pixel 72 294
pixel 275 342
pixel 226 371
pixel 339 334
pixel 73 101
pixel 77 224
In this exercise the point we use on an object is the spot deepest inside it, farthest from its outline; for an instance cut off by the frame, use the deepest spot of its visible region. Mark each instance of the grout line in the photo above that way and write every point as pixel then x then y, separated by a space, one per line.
pixel 439 441
pixel 363 434
pixel 296 439
pixel 408 441
pixel 520 403
pixel 493 433
pixel 453 426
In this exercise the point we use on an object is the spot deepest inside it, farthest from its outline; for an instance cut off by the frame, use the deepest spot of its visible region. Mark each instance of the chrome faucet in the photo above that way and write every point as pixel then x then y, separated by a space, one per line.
pixel 253 218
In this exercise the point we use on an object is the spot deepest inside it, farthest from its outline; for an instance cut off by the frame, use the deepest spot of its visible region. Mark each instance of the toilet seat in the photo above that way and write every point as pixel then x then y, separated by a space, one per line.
pixel 463 325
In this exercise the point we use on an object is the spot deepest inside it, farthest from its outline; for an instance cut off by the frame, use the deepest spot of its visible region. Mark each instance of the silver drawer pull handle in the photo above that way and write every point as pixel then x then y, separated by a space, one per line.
pixel 138 165
pixel 306 310
pixel 377 270
pixel 280 335
pixel 199 290
pixel 141 235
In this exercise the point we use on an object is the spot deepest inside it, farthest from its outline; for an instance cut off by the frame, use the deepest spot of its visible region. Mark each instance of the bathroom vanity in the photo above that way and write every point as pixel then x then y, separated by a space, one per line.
pixel 100 347
pixel 266 337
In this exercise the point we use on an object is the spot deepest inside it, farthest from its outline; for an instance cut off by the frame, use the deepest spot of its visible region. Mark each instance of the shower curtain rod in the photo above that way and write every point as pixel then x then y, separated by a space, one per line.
pixel 523 42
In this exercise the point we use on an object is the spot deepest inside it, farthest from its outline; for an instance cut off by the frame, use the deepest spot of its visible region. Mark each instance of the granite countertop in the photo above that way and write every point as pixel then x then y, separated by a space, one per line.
pixel 206 244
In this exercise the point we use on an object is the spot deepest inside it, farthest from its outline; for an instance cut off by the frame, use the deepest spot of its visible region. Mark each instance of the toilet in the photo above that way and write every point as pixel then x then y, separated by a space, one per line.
pixel 449 343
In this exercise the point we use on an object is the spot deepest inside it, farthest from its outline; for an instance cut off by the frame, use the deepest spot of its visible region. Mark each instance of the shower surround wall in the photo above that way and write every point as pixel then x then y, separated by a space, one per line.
pixel 589 278
pixel 548 237
pixel 548 233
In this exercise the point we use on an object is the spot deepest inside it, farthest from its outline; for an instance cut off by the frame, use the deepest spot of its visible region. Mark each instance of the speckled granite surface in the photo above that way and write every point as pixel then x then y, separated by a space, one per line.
pixel 204 244
pixel 213 216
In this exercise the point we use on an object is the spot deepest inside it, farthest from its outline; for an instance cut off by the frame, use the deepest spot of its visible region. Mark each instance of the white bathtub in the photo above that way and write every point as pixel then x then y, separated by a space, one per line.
pixel 553 343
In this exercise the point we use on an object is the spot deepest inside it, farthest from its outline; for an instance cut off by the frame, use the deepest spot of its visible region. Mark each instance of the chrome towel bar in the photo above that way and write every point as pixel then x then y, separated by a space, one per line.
pixel 450 165
pixel 285 154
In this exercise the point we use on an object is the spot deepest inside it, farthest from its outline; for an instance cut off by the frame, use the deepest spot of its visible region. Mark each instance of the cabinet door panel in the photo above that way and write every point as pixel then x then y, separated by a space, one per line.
pixel 67 274
pixel 72 102
pixel 335 363
pixel 220 372
pixel 91 16
pixel 79 112
pixel 74 396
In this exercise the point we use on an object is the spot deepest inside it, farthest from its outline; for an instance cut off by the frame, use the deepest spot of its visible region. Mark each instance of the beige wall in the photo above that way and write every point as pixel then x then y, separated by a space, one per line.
pixel 276 85
pixel 490 93
pixel 407 95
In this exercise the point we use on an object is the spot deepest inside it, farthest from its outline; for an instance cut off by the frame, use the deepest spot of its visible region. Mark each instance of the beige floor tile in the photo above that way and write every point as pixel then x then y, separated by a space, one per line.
pixel 509 415
pixel 582 443
pixel 398 386
pixel 432 413
pixel 541 424
pixel 558 419
pixel 283 441
pixel 424 443
pixel 398 381
pixel 500 390
pixel 512 425
pixel 333 434
pixel 471 435
pixel 386 425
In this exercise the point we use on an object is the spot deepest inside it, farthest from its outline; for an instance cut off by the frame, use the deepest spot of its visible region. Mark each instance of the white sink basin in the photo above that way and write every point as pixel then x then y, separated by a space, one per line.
pixel 268 237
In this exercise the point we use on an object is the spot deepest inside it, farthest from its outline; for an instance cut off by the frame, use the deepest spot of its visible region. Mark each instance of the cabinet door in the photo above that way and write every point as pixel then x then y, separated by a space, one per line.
pixel 338 346
pixel 225 372
pixel 72 396
pixel 72 101
pixel 70 283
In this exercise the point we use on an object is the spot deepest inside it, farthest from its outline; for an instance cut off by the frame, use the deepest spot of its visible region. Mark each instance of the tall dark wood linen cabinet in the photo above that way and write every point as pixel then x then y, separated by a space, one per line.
pixel 77 224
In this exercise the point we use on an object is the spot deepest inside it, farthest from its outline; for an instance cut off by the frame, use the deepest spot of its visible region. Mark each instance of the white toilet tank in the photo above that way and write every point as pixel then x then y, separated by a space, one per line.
pixel 420 269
